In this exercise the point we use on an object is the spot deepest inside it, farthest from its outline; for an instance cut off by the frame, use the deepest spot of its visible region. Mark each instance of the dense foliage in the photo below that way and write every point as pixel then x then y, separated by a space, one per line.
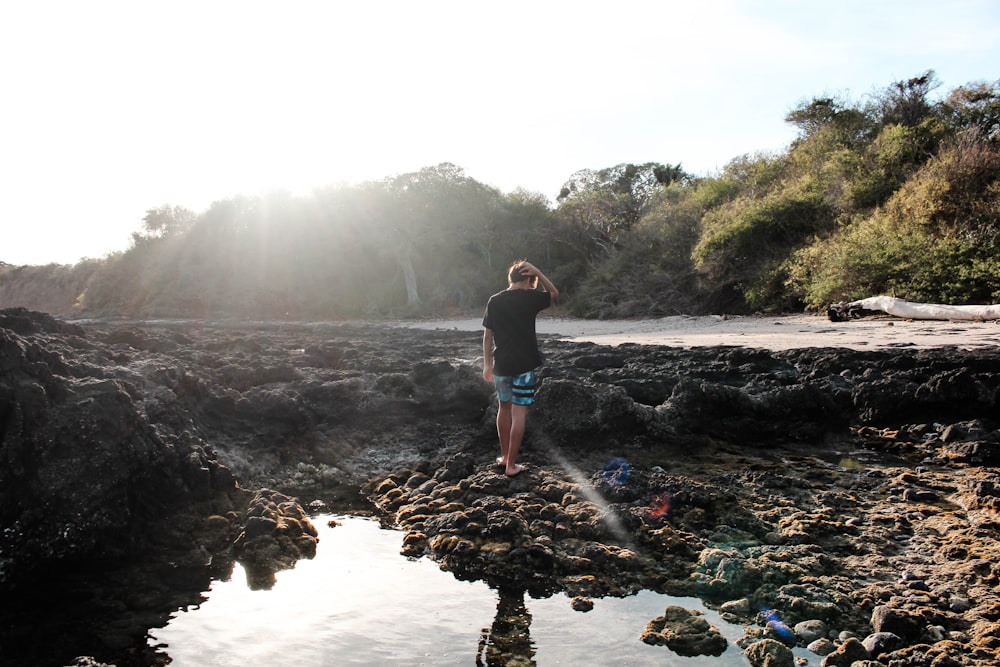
pixel 54 288
pixel 898 193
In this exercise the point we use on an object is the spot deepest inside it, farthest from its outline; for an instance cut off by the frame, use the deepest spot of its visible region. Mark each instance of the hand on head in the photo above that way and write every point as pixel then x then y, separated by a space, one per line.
pixel 523 271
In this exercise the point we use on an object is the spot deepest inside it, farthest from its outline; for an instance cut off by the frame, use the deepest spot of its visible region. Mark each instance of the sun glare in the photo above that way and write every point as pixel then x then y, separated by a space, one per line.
pixel 121 107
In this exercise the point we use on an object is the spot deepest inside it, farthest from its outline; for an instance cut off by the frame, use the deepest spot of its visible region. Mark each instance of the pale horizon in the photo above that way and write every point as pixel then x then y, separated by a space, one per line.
pixel 113 108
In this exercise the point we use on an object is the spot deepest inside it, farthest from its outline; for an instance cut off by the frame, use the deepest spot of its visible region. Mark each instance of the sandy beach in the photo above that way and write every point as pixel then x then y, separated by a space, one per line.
pixel 782 332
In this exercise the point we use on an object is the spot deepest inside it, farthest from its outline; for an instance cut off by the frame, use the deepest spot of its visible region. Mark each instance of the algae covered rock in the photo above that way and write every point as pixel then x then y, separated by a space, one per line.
pixel 685 632
pixel 769 653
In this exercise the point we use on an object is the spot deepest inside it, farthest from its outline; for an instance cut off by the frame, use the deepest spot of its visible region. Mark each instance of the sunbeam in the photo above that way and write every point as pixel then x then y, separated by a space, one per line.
pixel 611 519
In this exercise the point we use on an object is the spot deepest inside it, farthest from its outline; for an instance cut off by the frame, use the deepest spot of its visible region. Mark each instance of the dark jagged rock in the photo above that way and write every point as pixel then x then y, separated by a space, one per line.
pixel 27 322
pixel 84 473
pixel 805 482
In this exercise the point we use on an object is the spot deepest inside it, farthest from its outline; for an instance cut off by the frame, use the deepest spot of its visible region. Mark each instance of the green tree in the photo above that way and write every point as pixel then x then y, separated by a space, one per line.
pixel 907 102
pixel 743 245
pixel 519 225
pixel 602 205
pixel 975 105
pixel 167 220
pixel 650 273
pixel 434 215
pixel 936 239
pixel 846 125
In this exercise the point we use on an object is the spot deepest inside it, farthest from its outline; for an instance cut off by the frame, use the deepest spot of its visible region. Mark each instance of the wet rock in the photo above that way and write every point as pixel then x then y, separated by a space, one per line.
pixel 26 322
pixel 488 527
pixel 736 608
pixel 975 429
pixel 974 452
pixel 769 653
pixel 456 468
pixel 821 646
pixel 276 535
pixel 898 622
pixel 960 604
pixel 441 388
pixel 919 496
pixel 811 630
pixel 808 601
pixel 87 661
pixel 86 475
pixel 975 442
pixel 851 651
pixel 880 643
pixel 316 506
pixel 571 408
pixel 684 632
pixel 802 481
pixel 599 361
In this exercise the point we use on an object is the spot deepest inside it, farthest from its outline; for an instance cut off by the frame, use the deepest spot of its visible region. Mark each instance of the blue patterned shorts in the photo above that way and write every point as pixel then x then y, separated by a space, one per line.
pixel 516 389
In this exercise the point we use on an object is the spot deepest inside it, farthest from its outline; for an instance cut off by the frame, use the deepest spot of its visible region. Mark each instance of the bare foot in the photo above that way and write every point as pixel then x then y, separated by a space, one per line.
pixel 501 462
pixel 516 470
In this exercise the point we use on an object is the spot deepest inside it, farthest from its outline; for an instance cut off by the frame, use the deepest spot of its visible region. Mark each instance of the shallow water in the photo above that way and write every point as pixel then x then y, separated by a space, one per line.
pixel 359 602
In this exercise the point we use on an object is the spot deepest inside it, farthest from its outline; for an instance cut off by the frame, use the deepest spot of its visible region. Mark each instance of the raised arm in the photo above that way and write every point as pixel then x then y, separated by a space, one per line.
pixel 533 270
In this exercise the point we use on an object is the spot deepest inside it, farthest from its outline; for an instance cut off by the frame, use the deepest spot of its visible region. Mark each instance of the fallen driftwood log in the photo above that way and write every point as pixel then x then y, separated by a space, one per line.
pixel 840 312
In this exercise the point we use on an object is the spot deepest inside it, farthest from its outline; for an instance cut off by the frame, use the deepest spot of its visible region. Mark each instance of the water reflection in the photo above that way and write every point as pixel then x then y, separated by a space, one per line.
pixel 507 642
pixel 359 602
pixel 98 612
pixel 259 578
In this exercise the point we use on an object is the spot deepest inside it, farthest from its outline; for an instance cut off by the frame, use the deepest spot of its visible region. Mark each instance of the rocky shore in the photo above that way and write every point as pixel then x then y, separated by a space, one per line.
pixel 838 499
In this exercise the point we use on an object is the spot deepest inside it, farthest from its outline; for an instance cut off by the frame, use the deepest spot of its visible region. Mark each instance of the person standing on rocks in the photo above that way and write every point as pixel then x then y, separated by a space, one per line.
pixel 511 355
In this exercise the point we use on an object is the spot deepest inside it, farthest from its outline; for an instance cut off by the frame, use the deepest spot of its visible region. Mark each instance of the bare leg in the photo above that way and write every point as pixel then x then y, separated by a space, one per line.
pixel 518 416
pixel 503 432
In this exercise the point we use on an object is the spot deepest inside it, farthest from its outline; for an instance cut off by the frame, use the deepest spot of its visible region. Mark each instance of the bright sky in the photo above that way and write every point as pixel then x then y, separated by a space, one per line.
pixel 110 108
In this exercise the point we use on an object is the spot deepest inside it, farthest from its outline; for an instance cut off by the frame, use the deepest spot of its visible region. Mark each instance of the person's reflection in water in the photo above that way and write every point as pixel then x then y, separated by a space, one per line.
pixel 507 643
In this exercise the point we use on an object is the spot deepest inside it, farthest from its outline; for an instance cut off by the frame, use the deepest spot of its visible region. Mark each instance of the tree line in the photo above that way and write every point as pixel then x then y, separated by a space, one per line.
pixel 897 193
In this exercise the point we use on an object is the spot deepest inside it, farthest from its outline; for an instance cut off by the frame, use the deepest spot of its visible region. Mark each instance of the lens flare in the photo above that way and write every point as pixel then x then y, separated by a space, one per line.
pixel 658 507
pixel 777 627
pixel 612 520
pixel 616 471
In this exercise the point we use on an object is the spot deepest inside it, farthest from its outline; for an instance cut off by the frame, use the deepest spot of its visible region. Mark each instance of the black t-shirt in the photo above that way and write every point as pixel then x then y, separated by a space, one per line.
pixel 510 315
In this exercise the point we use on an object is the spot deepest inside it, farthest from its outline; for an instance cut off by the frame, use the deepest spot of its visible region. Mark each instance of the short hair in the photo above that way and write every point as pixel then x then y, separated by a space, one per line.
pixel 516 275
